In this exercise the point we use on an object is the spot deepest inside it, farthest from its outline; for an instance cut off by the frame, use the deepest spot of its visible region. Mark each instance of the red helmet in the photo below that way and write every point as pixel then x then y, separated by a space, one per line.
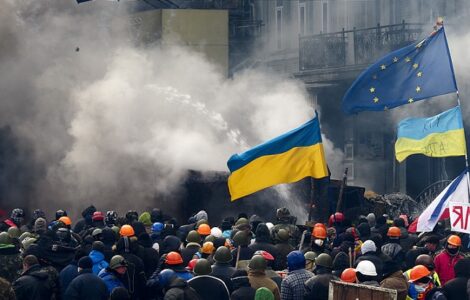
pixel 191 264
pixel 337 217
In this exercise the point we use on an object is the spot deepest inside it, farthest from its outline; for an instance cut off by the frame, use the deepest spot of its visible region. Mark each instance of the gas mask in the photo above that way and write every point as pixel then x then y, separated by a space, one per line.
pixel 319 242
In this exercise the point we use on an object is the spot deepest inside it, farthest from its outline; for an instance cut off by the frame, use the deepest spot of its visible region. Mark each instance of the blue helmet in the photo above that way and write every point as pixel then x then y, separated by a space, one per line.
pixel 157 227
pixel 295 260
pixel 165 277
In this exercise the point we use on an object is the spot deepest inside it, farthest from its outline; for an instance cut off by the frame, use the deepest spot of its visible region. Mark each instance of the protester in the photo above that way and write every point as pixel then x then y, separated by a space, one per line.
pixel 447 259
pixel 86 285
pixel 207 286
pixel 258 277
pixel 292 287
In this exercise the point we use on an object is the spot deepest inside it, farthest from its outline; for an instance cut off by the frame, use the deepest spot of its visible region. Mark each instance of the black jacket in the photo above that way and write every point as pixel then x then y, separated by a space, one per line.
pixel 148 255
pixel 242 289
pixel 456 288
pixel 178 289
pixel 224 272
pixel 376 260
pixel 34 283
pixel 209 287
pixel 188 252
pixel 86 286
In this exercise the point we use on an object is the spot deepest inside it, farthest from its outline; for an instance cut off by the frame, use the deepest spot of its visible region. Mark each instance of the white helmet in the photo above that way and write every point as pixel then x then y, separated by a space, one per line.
pixel 366 267
pixel 215 231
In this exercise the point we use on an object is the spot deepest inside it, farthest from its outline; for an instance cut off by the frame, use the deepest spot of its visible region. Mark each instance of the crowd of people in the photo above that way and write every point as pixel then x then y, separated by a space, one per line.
pixel 152 256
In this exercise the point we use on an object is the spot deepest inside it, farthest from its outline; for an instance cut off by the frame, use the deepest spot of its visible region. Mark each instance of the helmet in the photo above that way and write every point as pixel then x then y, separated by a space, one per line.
pixel 366 267
pixel 202 267
pixel 242 221
pixel 349 275
pixel 166 276
pixel 215 231
pixel 257 263
pixel 209 238
pixel 37 213
pixel 454 240
pixel 193 237
pixel 207 248
pixel 282 213
pixel 59 214
pixel 111 217
pixel 425 260
pixel 5 238
pixel 419 272
pixel 97 216
pixel 204 229
pixel 14 232
pixel 66 220
pixel 173 258
pixel 25 235
pixel 96 232
pixel 310 255
pixel 264 254
pixel 132 216
pixel 241 238
pixel 394 232
pixel 319 232
pixel 295 260
pixel 335 218
pixel 283 235
pixel 223 255
pixel 353 231
pixel 191 264
pixel 157 227
pixel 324 260
pixel 126 230
pixel 17 215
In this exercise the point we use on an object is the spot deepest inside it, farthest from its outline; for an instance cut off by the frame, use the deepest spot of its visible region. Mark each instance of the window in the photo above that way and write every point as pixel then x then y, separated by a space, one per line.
pixel 349 152
pixel 325 18
pixel 279 27
pixel 302 18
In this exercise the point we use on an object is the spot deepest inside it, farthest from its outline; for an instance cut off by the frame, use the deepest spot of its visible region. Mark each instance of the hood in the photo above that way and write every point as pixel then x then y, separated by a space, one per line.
pixel 156 215
pixel 145 219
pixel 341 261
pixel 201 215
pixel 37 272
pixel 88 211
pixel 171 243
pixel 145 240
pixel 139 228
pixel 364 230
pixel 241 281
pixel 96 256
pixel 108 237
pixel 262 233
pixel 177 283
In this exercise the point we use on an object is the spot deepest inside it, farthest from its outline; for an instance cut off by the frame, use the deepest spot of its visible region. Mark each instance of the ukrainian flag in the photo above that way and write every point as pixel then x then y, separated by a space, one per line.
pixel 438 136
pixel 288 158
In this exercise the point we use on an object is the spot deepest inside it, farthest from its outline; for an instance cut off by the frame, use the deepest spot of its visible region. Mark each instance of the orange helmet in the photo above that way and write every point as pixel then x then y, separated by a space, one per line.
pixel 349 275
pixel 173 258
pixel 207 248
pixel 126 230
pixel 454 240
pixel 319 232
pixel 394 232
pixel 419 272
pixel 66 220
pixel 204 229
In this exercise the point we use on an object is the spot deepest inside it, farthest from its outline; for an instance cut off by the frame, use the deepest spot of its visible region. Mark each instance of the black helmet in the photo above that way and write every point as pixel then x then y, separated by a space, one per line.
pixel 202 267
pixel 223 255
pixel 282 212
pixel 111 217
pixel 60 213
pixel 257 263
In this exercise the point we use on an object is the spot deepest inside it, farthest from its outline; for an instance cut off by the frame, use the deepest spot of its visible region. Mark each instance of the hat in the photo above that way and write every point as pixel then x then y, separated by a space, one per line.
pixel 85 263
pixel 40 225
pixel 368 246
pixel 145 219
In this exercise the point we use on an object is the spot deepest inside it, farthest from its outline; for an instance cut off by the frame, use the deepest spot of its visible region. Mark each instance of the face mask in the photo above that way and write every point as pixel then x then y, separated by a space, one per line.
pixel 319 242
pixel 452 251
pixel 420 288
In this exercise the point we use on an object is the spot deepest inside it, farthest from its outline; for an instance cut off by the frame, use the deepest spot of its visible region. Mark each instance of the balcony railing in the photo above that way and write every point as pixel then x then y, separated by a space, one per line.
pixel 354 47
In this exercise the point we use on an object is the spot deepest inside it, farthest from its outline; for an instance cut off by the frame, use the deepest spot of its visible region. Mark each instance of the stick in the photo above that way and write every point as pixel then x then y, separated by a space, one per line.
pixel 340 196
pixel 350 258
pixel 302 239
pixel 238 257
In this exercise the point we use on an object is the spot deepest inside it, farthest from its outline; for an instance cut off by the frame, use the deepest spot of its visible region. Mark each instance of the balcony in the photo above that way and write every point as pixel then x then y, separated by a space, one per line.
pixel 357 47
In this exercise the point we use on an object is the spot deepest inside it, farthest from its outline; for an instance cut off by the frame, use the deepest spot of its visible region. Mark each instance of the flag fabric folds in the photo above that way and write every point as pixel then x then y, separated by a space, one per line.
pixel 418 71
pixel 438 136
pixel 456 191
pixel 288 158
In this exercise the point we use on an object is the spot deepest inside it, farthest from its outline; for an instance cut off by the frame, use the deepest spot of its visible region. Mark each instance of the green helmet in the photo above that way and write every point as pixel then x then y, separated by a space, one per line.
pixel 25 235
pixel 96 232
pixel 310 255
pixel 5 238
pixel 117 261
pixel 324 260
pixel 14 232
pixel 283 235
pixel 242 221
pixel 116 230
pixel 209 238
pixel 223 255
pixel 257 263
pixel 193 237
pixel 241 238
pixel 202 267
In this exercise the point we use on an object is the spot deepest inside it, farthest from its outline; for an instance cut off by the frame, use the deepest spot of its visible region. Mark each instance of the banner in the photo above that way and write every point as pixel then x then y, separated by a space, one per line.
pixel 460 216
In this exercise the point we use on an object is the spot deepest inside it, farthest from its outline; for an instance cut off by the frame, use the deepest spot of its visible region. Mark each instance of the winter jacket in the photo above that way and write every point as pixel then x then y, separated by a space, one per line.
pixel 34 284
pixel 98 261
pixel 396 281
pixel 375 259
pixel 67 275
pixel 292 287
pixel 188 252
pixel 259 279
pixel 283 249
pixel 224 272
pixel 86 286
pixel 317 286
pixel 10 262
pixel 242 289
pixel 178 289
pixel 444 265
pixel 6 290
pixel 209 287
pixel 412 254
pixel 110 279
pixel 340 262
pixel 148 255
pixel 456 288
pixel 263 242
pixel 86 222
pixel 246 254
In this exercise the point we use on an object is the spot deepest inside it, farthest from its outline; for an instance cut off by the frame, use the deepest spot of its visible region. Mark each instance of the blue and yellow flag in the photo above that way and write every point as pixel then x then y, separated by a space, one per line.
pixel 416 72
pixel 288 158
pixel 438 136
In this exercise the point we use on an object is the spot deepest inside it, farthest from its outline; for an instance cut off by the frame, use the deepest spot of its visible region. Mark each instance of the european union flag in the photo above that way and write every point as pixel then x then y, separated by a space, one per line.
pixel 416 72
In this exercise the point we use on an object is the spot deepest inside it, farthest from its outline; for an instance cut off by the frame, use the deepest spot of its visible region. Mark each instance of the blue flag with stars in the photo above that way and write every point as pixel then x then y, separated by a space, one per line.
pixel 419 71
